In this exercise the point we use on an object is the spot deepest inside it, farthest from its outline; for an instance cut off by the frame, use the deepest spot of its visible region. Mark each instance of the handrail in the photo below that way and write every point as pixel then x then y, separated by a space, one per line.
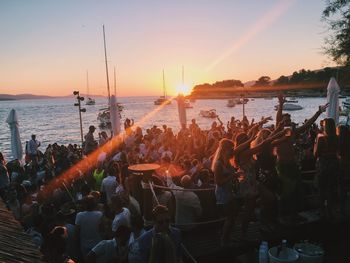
pixel 201 223
pixel 183 189
pixel 308 172
pixel 188 253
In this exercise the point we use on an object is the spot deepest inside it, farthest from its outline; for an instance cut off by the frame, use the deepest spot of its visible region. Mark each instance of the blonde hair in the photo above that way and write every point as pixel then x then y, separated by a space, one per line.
pixel 218 155
pixel 261 136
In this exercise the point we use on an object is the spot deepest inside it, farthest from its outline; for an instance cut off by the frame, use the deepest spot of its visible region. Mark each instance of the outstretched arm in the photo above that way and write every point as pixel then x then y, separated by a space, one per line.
pixel 221 123
pixel 310 121
pixel 258 148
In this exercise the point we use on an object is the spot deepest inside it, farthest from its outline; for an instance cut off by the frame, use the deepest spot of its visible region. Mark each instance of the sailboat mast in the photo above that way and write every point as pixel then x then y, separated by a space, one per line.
pixel 115 83
pixel 87 84
pixel 164 91
pixel 104 42
pixel 183 76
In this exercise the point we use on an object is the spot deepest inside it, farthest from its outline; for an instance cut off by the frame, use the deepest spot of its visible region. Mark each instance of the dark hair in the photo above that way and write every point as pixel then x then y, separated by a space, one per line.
pixel 137 221
pixel 241 138
pixel 117 201
pixel 122 231
pixel 112 168
pixel 158 210
pixel 90 202
pixel 344 140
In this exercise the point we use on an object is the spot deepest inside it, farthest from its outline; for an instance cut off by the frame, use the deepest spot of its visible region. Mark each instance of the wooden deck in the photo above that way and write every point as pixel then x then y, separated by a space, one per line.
pixel 15 244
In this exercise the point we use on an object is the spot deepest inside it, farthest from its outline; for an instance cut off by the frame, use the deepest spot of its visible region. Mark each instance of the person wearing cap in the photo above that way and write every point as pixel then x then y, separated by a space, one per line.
pixel 90 143
pixel 162 243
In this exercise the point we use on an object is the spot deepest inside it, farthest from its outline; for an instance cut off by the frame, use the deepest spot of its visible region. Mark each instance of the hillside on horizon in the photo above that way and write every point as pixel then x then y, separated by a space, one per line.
pixel 27 96
pixel 309 82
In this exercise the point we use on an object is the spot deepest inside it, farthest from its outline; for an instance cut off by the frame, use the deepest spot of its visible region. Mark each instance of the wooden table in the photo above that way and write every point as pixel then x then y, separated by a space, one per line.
pixel 143 167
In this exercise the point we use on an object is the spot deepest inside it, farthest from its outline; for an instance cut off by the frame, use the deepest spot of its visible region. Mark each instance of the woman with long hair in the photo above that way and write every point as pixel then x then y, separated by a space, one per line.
pixel 266 174
pixel 225 178
pixel 244 163
pixel 327 166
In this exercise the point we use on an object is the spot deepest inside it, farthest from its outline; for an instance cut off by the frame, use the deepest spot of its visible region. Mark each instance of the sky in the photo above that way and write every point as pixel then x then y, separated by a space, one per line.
pixel 47 47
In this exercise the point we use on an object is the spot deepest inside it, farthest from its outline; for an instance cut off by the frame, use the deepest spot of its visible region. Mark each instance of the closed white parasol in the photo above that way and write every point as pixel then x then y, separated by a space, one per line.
pixel 333 90
pixel 115 118
pixel 16 145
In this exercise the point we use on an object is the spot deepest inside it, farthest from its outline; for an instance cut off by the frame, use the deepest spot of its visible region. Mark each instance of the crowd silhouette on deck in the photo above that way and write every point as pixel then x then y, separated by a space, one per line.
pixel 236 172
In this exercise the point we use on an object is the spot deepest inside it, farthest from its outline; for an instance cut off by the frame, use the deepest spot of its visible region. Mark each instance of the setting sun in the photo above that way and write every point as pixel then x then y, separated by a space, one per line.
pixel 183 89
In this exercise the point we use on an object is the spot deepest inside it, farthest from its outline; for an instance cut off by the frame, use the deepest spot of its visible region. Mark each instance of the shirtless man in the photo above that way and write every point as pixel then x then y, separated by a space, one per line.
pixel 287 167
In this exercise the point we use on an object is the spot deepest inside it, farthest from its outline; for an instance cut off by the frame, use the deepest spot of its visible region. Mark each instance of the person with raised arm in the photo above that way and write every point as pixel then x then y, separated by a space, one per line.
pixel 287 167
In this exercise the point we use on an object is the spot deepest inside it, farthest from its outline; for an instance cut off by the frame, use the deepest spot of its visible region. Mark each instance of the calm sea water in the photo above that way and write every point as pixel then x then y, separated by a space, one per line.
pixel 57 120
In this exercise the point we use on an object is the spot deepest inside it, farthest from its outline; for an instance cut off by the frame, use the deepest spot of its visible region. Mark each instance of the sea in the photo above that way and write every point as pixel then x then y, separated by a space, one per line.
pixel 57 119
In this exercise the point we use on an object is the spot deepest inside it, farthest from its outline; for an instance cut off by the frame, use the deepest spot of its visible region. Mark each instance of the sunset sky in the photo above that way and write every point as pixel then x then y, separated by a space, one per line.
pixel 47 46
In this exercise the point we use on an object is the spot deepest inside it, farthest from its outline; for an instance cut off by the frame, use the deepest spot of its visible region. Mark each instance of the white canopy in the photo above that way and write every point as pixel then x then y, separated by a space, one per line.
pixel 182 111
pixel 115 118
pixel 16 145
pixel 333 90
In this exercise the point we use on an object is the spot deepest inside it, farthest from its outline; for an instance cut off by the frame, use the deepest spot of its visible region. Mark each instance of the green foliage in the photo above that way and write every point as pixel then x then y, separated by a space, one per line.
pixel 318 76
pixel 337 45
pixel 219 84
pixel 262 81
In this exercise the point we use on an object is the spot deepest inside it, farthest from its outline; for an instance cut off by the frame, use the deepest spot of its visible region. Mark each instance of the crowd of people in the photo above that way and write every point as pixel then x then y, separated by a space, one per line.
pixel 229 172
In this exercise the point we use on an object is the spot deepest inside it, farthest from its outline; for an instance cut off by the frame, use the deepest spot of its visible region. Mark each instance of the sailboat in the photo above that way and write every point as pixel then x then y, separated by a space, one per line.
pixel 104 116
pixel 162 99
pixel 89 100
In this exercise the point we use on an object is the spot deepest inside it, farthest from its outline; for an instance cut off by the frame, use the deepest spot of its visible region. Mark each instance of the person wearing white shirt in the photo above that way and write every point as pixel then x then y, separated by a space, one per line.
pixel 32 150
pixel 122 214
pixel 109 184
pixel 188 206
pixel 88 225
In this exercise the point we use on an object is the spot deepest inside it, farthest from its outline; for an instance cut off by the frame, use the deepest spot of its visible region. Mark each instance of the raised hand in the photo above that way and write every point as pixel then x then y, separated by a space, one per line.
pixel 322 108
pixel 281 99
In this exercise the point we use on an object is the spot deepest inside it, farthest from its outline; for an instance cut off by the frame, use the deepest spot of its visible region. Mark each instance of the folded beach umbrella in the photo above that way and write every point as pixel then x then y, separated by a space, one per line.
pixel 115 118
pixel 182 111
pixel 16 145
pixel 333 100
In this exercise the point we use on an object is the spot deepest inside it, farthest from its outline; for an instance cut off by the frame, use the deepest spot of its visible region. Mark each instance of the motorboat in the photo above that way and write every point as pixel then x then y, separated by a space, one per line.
pixel 188 104
pixel 290 107
pixel 90 101
pixel 231 103
pixel 292 100
pixel 241 101
pixel 162 100
pixel 104 116
pixel 346 103
pixel 344 111
pixel 208 113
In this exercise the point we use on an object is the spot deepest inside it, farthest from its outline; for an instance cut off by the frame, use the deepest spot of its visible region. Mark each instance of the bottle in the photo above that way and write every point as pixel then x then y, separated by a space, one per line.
pixel 284 252
pixel 263 252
